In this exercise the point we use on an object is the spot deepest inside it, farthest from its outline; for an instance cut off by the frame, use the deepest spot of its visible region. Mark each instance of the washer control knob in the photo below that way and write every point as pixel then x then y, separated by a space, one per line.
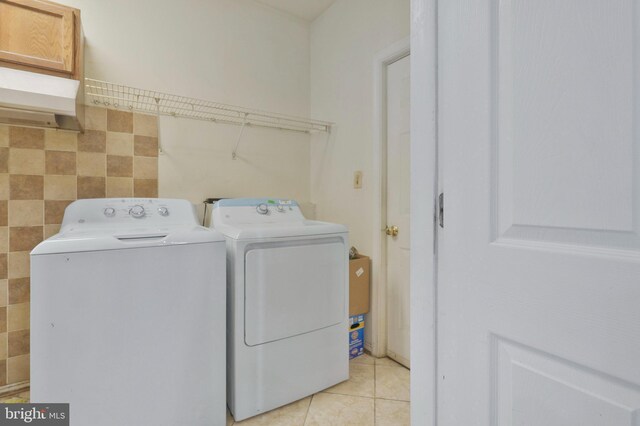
pixel 109 212
pixel 137 211
pixel 163 211
pixel 262 208
pixel 280 208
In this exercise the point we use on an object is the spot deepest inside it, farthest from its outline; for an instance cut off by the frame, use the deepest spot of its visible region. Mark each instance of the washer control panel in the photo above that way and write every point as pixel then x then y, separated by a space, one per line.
pixel 268 206
pixel 137 211
pixel 257 211
pixel 130 210
pixel 262 208
pixel 135 208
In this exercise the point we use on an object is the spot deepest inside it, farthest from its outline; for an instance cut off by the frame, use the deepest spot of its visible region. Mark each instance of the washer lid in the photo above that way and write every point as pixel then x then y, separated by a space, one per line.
pixel 122 223
pixel 255 218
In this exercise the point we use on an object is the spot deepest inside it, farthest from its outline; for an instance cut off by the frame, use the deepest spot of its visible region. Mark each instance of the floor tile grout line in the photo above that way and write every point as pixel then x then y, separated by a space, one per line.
pixel 402 367
pixel 375 368
pixel 348 394
pixel 390 399
pixel 306 415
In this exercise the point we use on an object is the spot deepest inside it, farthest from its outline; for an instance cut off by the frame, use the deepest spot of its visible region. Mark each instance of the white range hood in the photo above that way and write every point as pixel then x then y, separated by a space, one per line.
pixel 39 100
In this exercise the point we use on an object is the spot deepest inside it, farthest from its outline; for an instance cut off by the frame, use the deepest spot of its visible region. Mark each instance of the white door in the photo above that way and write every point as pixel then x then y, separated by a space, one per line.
pixel 539 258
pixel 398 187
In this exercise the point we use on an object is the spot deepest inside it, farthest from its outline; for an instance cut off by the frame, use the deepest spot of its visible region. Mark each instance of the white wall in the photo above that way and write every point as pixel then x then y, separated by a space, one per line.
pixel 197 163
pixel 344 43
pixel 230 51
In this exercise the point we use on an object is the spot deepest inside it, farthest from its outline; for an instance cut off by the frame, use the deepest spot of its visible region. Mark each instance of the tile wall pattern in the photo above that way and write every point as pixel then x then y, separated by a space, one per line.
pixel 41 172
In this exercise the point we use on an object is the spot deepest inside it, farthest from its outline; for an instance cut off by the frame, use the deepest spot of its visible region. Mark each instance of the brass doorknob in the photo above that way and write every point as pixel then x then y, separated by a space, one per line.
pixel 391 230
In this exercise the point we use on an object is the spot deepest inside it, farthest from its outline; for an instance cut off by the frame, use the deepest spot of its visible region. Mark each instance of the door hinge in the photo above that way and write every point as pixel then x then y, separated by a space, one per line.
pixel 441 210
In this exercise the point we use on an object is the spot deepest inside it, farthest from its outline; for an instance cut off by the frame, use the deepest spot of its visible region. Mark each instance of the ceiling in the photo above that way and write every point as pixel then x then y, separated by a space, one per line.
pixel 305 9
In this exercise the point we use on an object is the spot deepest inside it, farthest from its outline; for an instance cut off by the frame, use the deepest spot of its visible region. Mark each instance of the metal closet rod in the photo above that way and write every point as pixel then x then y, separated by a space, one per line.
pixel 117 96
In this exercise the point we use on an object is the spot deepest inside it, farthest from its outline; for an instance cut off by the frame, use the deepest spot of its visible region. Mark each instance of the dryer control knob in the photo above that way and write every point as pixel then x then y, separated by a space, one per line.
pixel 280 208
pixel 262 208
pixel 137 211
pixel 163 211
pixel 109 212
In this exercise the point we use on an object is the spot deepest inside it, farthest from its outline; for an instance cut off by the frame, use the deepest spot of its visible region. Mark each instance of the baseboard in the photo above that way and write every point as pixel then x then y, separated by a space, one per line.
pixel 368 347
pixel 399 359
pixel 14 388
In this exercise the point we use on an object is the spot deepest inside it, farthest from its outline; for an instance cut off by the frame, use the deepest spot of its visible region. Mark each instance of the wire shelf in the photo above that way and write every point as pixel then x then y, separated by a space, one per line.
pixel 117 96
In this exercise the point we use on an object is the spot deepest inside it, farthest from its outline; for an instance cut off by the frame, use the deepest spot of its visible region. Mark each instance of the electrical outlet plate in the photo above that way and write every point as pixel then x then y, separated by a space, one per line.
pixel 357 179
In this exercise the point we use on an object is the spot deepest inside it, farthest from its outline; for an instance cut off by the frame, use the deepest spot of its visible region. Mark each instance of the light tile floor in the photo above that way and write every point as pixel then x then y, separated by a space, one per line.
pixel 18 398
pixel 377 393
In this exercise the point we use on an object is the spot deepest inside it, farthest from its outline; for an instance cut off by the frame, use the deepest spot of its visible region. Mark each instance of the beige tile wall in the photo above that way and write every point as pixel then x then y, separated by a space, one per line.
pixel 41 172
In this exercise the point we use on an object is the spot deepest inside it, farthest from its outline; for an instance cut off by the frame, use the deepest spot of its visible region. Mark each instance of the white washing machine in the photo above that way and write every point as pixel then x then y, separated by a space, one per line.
pixel 287 303
pixel 128 315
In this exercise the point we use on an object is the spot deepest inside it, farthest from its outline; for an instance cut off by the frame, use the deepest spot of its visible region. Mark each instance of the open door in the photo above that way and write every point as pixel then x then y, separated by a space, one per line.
pixel 398 230
pixel 539 257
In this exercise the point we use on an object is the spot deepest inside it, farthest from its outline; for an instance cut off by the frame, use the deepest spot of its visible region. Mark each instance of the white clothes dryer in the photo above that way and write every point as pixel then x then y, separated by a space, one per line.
pixel 128 315
pixel 287 303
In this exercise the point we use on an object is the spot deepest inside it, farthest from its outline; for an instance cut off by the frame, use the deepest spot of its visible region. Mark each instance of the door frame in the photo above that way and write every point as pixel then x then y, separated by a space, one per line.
pixel 384 58
pixel 425 187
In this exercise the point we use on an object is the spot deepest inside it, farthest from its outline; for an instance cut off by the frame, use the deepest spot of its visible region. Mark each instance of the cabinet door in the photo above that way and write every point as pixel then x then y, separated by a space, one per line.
pixel 37 34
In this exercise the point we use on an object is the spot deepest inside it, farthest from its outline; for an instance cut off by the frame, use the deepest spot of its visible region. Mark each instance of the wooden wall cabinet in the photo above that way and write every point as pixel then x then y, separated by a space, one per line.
pixel 41 36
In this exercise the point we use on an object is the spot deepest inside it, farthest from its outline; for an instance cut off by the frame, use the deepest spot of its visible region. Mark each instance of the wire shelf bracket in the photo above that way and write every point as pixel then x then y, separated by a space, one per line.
pixel 116 96
pixel 234 154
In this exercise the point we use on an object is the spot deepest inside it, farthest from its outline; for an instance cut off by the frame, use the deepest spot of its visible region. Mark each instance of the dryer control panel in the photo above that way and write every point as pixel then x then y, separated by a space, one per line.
pixel 129 210
pixel 244 211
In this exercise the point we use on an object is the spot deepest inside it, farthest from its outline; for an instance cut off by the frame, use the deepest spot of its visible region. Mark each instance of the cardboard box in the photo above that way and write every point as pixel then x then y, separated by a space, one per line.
pixel 356 336
pixel 359 284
